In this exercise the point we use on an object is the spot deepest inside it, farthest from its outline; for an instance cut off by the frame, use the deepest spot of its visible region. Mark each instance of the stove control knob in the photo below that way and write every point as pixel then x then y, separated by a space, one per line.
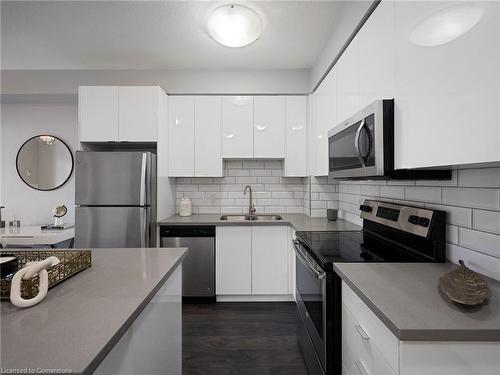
pixel 365 208
pixel 414 219
pixel 424 222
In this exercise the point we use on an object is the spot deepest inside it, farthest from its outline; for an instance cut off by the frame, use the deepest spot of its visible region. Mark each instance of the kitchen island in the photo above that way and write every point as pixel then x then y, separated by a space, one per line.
pixel 122 315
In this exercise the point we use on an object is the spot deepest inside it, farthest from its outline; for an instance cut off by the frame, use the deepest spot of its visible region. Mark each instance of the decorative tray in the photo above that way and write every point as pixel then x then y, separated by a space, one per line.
pixel 72 262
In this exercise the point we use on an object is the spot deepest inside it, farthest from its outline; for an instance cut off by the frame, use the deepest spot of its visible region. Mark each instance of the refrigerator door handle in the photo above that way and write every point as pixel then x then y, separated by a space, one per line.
pixel 143 180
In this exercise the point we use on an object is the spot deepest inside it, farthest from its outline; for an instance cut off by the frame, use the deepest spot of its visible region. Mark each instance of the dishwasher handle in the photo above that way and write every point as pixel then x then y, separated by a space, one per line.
pixel 187 231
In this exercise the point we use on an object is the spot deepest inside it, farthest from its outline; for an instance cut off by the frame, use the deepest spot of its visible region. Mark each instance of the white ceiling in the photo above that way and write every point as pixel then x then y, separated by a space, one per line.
pixel 157 35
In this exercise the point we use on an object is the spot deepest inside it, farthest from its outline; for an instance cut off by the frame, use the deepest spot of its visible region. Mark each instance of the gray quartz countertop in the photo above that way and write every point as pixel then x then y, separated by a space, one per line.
pixel 406 297
pixel 300 222
pixel 81 319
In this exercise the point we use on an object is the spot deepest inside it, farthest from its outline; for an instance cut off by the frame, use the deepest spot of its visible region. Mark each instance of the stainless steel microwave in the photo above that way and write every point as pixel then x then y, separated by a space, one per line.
pixel 362 147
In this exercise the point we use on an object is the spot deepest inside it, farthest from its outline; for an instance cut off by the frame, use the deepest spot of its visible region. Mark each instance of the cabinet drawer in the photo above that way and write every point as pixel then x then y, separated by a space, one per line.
pixel 379 335
pixel 360 355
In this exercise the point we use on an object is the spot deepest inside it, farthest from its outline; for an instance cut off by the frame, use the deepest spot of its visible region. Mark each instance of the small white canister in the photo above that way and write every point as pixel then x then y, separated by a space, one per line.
pixel 185 207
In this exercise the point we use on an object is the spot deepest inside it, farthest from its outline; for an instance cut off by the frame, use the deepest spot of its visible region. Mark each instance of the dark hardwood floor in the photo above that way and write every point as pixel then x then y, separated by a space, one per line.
pixel 241 339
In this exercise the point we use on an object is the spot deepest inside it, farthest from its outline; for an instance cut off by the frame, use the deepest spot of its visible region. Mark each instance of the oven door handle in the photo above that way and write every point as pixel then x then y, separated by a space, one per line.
pixel 305 262
pixel 356 143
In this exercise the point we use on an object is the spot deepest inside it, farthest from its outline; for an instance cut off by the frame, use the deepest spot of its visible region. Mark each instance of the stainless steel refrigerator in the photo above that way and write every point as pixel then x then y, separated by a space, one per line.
pixel 115 198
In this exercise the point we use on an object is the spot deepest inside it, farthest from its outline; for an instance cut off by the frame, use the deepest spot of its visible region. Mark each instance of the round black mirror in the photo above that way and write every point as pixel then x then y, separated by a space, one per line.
pixel 44 162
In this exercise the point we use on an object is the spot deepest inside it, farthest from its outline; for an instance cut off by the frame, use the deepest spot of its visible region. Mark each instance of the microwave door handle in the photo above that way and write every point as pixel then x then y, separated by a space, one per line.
pixel 356 143
pixel 303 260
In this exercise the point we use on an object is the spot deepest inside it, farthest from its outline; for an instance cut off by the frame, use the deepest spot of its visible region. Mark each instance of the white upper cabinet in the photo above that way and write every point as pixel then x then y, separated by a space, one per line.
pixel 376 52
pixel 208 147
pixel 269 127
pixel 447 91
pixel 120 113
pixel 237 126
pixel 181 136
pixel 138 113
pixel 326 119
pixel 98 113
pixel 296 136
pixel 348 87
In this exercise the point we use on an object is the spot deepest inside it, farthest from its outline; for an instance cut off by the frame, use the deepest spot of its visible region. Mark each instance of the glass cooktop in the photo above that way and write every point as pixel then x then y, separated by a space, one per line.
pixel 329 247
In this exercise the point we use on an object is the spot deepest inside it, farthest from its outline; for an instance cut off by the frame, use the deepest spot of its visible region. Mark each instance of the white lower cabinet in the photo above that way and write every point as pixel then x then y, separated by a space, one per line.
pixel 233 260
pixel 269 260
pixel 253 261
pixel 370 348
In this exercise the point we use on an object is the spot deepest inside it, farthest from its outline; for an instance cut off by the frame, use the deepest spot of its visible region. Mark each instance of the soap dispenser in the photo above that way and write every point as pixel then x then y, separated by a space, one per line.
pixel 2 222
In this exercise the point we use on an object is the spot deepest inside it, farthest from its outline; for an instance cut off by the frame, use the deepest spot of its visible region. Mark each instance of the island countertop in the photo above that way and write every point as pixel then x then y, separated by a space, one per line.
pixel 299 222
pixel 82 318
pixel 407 299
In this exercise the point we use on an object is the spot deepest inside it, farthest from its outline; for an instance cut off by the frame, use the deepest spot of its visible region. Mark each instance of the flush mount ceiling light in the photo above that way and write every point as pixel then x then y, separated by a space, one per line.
pixel 446 25
pixel 234 25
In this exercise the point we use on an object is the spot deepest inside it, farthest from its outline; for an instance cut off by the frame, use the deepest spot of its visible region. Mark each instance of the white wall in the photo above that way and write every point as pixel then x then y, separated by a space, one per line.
pixel 20 121
pixel 272 81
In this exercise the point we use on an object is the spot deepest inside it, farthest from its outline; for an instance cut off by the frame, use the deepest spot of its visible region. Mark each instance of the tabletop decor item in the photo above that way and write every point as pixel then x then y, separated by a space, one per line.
pixel 71 262
pixel 185 207
pixel 331 214
pixel 27 273
pixel 464 286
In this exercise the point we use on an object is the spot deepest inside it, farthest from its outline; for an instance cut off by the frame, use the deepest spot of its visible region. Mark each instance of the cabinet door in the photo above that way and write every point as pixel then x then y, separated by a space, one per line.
pixel 138 111
pixel 208 148
pixel 233 260
pixel 98 113
pixel 296 136
pixel 326 119
pixel 348 82
pixel 269 260
pixel 237 126
pixel 376 63
pixel 447 92
pixel 181 136
pixel 269 127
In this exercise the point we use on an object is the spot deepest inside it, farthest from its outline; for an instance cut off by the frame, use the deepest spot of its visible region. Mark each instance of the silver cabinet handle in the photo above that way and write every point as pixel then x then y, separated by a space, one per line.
pixel 362 332
pixel 361 367
pixel 356 143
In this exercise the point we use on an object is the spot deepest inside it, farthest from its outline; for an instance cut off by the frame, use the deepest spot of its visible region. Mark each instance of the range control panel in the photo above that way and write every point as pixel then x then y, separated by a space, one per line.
pixel 410 219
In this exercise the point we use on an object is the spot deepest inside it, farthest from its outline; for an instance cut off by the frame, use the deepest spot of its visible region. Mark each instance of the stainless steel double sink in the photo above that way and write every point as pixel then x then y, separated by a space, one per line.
pixel 251 217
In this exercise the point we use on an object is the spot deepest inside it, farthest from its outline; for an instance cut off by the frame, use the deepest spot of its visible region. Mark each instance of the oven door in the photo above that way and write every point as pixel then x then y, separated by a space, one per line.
pixel 311 300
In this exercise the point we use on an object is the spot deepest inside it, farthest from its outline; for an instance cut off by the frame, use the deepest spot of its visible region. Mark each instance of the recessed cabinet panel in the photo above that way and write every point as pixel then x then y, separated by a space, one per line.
pixel 237 126
pixel 138 113
pixel 208 147
pixel 376 63
pixel 348 81
pixel 233 260
pixel 98 113
pixel 269 127
pixel 447 91
pixel 269 260
pixel 326 119
pixel 181 136
pixel 296 136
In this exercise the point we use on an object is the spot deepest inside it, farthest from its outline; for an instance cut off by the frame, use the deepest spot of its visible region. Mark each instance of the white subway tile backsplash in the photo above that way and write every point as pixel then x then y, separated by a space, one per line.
pixel 246 180
pixel 483 242
pixel 461 216
pixel 238 172
pixel 488 221
pixel 268 180
pixel 482 263
pixel 207 187
pixel 371 190
pixel 424 194
pixel 252 164
pixel 261 172
pixel 469 197
pixel 483 177
pixel 184 187
pixel 452 234
pixel 396 192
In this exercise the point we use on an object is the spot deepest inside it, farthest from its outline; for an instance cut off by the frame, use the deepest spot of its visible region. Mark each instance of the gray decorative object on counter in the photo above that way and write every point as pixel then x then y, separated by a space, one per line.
pixel 464 286
pixel 331 214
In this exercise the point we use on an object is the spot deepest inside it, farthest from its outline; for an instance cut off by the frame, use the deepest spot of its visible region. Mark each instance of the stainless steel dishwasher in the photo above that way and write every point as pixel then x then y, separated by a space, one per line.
pixel 198 267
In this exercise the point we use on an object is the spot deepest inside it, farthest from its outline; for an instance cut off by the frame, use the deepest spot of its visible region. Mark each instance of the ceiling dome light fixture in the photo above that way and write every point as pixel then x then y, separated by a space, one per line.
pixel 446 25
pixel 234 25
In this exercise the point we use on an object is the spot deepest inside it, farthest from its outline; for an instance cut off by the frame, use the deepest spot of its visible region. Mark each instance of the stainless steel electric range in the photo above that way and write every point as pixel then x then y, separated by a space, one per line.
pixel 391 233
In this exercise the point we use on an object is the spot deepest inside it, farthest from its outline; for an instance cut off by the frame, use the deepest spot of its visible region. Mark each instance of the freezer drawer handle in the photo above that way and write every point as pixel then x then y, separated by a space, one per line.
pixel 362 332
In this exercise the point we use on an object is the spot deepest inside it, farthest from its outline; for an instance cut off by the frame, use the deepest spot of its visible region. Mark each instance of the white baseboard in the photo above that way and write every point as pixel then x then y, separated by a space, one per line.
pixel 256 298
